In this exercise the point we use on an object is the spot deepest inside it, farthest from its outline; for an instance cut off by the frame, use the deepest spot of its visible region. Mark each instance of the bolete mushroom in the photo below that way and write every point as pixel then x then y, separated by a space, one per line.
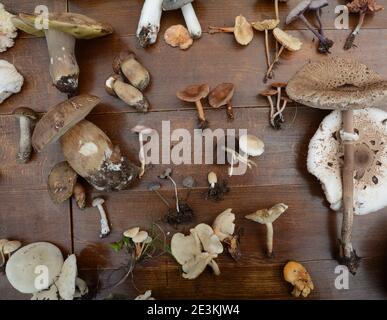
pixel 61 182
pixel 243 31
pixel 196 93
pixel 149 23
pixel 127 65
pixel 63 30
pixel 345 85
pixel 11 81
pixel 133 97
pixel 267 217
pixel 191 20
pixel 7 29
pixel 178 36
pixel 104 222
pixel 361 7
pixel 86 148
pixel 27 119
pixel 296 274
pixel 222 95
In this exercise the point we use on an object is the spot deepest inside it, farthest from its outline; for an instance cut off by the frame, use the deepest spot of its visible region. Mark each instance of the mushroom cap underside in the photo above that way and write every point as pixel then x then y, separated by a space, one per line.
pixel 337 83
pixel 287 40
pixel 169 5
pixel 325 160
pixel 297 11
pixel 221 95
pixel 75 24
pixel 194 93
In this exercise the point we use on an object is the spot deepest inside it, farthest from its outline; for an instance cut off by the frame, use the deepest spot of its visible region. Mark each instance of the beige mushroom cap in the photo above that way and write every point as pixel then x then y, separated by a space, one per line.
pixel 184 248
pixel 243 31
pixel 131 233
pixel 178 36
pixel 224 226
pixel 68 275
pixel 251 145
pixel 288 41
pixel 11 246
pixel 268 215
pixel 337 83
pixel 268 24
pixel 140 237
pixel 208 238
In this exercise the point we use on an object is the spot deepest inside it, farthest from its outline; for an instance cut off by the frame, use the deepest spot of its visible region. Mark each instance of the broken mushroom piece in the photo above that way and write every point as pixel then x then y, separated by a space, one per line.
pixel 345 85
pixel 11 246
pixel 221 96
pixel 196 93
pixel 191 20
pixel 278 115
pixel 296 274
pixel 267 217
pixel 7 29
pixel 61 182
pixel 149 23
pixel 361 7
pixel 243 31
pixel 178 36
pixel 216 190
pixel 105 229
pixel 79 194
pixel 11 81
pixel 126 65
pixel 63 31
pixel 27 119
pixel 146 296
pixel 133 97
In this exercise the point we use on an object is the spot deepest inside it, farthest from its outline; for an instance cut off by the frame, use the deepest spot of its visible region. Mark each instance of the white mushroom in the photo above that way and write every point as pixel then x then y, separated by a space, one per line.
pixel 184 248
pixel 224 226
pixel 149 24
pixel 143 133
pixel 104 222
pixel 208 239
pixel 146 296
pixel 7 30
pixel 49 294
pixel 131 233
pixel 81 288
pixel 11 81
pixel 194 267
pixel 67 277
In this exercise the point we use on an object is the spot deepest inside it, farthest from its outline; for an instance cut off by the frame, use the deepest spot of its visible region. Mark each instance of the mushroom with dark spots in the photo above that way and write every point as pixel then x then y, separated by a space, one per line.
pixel 222 96
pixel 61 182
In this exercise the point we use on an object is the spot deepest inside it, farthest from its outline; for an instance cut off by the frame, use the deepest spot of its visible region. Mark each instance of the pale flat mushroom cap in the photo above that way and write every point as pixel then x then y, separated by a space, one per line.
pixel 337 83
pixel 131 233
pixel 251 145
pixel 224 225
pixel 140 237
pixel 184 248
pixel 193 268
pixel 67 277
pixel 208 238
pixel 288 41
pixel 268 24
pixel 325 160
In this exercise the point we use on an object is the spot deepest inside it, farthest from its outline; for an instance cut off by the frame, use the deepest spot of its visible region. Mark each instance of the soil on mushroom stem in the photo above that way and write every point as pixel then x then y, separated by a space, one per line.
pixel 184 215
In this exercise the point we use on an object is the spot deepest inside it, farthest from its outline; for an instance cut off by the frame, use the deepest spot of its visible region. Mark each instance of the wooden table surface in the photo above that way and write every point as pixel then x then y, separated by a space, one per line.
pixel 308 232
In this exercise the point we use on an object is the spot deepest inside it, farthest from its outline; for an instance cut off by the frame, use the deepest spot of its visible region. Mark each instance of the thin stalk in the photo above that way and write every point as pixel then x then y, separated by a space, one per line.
pixel 269 239
pixel 267 48
pixel 221 30
pixel 351 38
pixel 274 62
pixel 177 199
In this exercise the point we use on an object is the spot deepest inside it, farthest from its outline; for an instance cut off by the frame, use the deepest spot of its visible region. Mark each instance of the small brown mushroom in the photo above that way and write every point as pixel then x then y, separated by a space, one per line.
pixel 27 119
pixel 196 93
pixel 61 182
pixel 79 195
pixel 269 94
pixel 296 274
pixel 178 36
pixel 222 95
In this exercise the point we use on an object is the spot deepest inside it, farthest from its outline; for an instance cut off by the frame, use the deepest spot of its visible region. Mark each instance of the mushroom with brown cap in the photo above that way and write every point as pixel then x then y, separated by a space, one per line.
pixel 149 23
pixel 11 81
pixel 104 222
pixel 61 182
pixel 196 93
pixel 345 85
pixel 63 30
pixel 27 119
pixel 222 95
pixel 267 217
pixel 361 7
pixel 178 36
pixel 79 194
pixel 243 31
pixel 296 274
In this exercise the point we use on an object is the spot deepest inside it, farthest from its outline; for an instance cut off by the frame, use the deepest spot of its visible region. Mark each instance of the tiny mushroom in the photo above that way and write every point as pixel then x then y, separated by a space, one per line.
pixel 127 65
pixel 216 190
pixel 243 31
pixel 129 94
pixel 79 194
pixel 155 187
pixel 361 7
pixel 196 93
pixel 222 95
pixel 267 217
pixel 7 29
pixel 132 232
pixel 296 274
pixel 178 36
pixel 139 241
pixel 11 81
pixel 63 30
pixel 105 229
pixel 191 20
pixel 143 133
pixel 149 23
pixel 61 182
pixel 27 119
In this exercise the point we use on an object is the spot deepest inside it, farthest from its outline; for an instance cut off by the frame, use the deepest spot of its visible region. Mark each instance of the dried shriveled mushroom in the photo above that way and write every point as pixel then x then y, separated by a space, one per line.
pixel 267 217
pixel 216 190
pixel 7 29
pixel 221 96
pixel 345 85
pixel 63 30
pixel 296 274
pixel 361 7
pixel 243 31
pixel 61 182
pixel 11 81
pixel 149 23
pixel 178 36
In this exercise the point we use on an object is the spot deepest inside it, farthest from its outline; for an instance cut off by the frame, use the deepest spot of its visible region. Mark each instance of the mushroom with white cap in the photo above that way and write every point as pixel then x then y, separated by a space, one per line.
pixel 345 85
pixel 132 232
pixel 7 29
pixel 11 81
pixel 191 20
pixel 139 241
pixel 105 229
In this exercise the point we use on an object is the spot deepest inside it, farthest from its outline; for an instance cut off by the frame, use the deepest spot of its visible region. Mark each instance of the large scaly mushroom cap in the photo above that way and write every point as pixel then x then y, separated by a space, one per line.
pixel 325 159
pixel 337 83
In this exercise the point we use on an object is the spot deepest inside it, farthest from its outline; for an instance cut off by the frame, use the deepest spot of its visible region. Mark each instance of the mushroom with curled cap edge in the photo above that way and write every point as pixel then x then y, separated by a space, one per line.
pixel 346 85
pixel 191 20
pixel 178 36
pixel 296 274
pixel 196 93
pixel 222 95
pixel 86 148
pixel 63 30
pixel 243 31
pixel 362 7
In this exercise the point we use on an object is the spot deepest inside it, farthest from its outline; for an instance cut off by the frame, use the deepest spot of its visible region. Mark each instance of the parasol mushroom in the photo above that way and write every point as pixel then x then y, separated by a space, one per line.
pixel 243 31
pixel 63 30
pixel 345 85
pixel 361 7
pixel 178 36
pixel 221 96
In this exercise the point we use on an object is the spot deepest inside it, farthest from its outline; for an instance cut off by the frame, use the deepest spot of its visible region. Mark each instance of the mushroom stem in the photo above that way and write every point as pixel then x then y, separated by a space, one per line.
pixel 201 115
pixel 279 112
pixel 278 107
pixel 351 38
pixel 149 24
pixel 141 155
pixel 276 9
pixel 348 254
pixel 320 26
pixel 64 68
pixel 2 258
pixel 105 230
pixel 25 148
pixel 191 21
pixel 221 29
pixel 230 112
pixel 176 196
pixel 269 239
pixel 325 44
pixel 267 48
pixel 274 62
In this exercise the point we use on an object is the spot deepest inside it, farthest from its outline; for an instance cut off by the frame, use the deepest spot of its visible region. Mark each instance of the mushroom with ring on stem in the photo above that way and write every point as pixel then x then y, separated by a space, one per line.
pixel 222 95
pixel 243 31
pixel 63 30
pixel 191 20
pixel 27 119
pixel 149 23
pixel 196 93
pixel 267 217
pixel 105 229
